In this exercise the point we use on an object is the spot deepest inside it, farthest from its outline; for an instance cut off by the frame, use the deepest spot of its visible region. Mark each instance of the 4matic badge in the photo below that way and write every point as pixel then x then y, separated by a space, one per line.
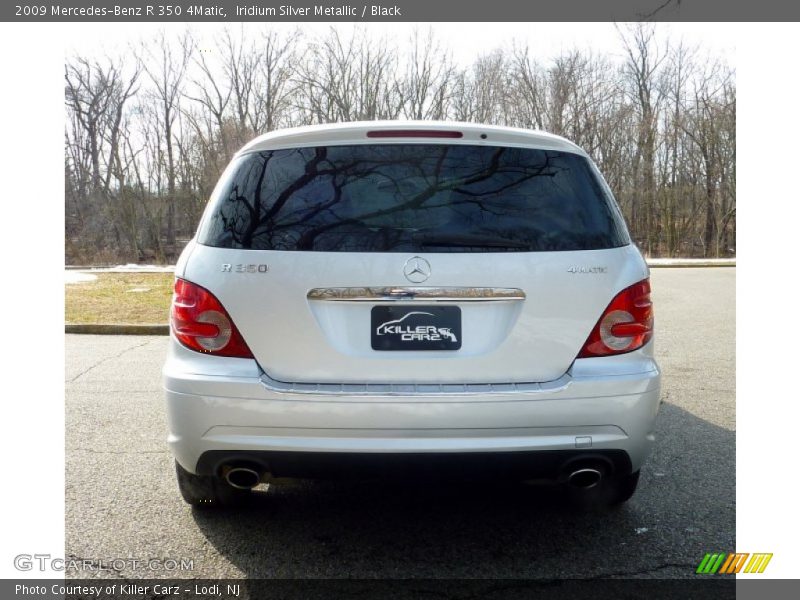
pixel 586 270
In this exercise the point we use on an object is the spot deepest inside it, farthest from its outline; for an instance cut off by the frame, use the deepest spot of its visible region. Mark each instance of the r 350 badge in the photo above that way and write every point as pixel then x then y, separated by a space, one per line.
pixel 228 268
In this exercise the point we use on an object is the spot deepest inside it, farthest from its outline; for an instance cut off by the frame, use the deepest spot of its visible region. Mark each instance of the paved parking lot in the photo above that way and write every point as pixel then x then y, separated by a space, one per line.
pixel 122 500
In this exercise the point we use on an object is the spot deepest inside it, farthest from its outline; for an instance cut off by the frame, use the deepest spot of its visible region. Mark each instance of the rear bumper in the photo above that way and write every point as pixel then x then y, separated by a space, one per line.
pixel 217 406
pixel 459 466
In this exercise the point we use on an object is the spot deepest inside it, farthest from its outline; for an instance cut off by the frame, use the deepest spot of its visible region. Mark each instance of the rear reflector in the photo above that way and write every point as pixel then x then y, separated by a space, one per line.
pixel 200 322
pixel 625 326
pixel 414 133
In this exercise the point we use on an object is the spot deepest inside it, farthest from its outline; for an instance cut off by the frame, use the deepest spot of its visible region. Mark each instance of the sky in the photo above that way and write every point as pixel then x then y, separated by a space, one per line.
pixel 465 41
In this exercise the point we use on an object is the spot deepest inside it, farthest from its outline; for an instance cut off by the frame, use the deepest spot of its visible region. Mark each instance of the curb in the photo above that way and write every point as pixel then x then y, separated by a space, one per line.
pixel 690 263
pixel 691 266
pixel 116 329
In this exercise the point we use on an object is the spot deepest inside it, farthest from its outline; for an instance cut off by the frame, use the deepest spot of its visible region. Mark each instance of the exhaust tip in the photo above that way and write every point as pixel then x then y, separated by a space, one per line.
pixel 585 478
pixel 242 478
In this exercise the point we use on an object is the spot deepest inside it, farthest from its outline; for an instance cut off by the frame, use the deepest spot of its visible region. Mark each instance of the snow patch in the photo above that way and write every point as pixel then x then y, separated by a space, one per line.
pixel 78 277
pixel 133 268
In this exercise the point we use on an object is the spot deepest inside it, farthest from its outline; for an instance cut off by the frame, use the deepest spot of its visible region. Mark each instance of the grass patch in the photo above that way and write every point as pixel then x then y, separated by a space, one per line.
pixel 134 298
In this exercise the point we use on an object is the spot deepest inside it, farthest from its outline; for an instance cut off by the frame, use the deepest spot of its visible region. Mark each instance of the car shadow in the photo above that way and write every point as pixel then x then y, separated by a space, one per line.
pixel 684 507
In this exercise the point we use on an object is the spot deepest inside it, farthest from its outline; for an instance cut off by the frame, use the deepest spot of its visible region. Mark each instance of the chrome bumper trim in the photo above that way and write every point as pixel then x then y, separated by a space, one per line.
pixel 415 389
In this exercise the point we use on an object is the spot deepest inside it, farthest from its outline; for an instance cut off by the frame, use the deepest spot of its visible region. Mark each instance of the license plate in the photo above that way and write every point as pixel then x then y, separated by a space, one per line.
pixel 416 328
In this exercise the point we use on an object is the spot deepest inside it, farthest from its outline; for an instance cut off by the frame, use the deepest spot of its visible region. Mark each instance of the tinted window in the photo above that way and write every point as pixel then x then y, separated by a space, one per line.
pixel 412 198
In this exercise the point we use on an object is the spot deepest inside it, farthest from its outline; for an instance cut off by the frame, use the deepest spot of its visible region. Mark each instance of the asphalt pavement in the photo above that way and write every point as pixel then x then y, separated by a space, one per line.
pixel 122 501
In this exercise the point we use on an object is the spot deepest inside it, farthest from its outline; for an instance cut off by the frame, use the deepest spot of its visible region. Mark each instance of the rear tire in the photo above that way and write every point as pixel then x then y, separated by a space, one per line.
pixel 205 491
pixel 623 487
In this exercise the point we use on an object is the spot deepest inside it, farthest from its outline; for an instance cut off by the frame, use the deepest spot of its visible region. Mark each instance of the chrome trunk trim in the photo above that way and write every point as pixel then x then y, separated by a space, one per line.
pixel 416 294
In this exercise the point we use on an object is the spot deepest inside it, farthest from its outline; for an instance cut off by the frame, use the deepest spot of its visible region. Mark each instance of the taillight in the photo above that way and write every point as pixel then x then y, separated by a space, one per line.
pixel 626 325
pixel 201 323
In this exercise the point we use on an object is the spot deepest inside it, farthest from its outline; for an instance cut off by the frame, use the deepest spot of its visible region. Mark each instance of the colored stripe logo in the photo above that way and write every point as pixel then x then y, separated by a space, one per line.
pixel 732 563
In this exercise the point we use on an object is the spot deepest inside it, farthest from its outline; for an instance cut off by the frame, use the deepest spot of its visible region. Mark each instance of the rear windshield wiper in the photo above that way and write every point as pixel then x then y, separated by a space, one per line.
pixel 461 240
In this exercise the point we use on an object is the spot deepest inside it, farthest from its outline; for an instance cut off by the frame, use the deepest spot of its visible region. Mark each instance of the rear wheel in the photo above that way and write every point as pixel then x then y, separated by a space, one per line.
pixel 623 487
pixel 205 491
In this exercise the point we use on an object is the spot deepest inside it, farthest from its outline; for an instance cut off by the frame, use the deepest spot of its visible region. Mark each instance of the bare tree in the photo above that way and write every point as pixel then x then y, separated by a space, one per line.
pixel 489 87
pixel 165 63
pixel 274 90
pixel 96 96
pixel 146 139
pixel 711 127
pixel 642 69
pixel 347 80
pixel 529 90
pixel 427 87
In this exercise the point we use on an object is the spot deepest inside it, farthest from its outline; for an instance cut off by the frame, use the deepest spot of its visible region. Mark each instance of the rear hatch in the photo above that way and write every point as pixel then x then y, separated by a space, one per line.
pixel 413 262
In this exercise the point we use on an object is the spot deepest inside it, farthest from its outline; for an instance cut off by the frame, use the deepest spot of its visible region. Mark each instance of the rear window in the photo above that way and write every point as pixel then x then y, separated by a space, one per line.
pixel 412 198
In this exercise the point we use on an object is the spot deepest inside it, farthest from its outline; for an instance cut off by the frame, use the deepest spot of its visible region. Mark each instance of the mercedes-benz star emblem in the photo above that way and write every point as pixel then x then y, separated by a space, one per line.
pixel 417 269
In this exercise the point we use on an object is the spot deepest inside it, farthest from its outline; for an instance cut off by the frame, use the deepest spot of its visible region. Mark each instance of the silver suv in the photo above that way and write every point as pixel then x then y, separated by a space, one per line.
pixel 393 299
